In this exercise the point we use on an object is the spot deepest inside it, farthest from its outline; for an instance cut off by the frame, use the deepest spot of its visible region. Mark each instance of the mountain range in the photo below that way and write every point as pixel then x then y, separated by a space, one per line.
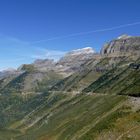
pixel 83 96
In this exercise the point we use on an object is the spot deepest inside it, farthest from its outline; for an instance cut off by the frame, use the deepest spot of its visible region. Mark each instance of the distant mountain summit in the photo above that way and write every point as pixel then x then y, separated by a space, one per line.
pixel 67 65
pixel 124 45
pixel 72 60
pixel 44 64
pixel 124 36
pixel 86 50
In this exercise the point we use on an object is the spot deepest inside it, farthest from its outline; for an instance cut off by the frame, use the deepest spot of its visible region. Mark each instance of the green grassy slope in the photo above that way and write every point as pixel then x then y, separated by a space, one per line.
pixel 76 82
pixel 63 115
pixel 66 116
pixel 31 81
pixel 122 79
pixel 90 72
pixel 14 107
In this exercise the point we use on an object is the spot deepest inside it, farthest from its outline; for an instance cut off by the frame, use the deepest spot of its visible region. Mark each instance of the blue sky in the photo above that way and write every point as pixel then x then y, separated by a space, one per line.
pixel 32 29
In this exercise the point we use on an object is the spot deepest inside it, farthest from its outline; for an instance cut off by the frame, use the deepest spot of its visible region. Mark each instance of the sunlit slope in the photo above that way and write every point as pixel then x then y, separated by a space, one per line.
pixel 30 82
pixel 65 116
pixel 60 116
pixel 123 79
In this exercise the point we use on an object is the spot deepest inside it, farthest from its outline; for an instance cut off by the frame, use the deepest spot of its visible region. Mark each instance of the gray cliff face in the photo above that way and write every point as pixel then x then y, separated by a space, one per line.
pixel 123 45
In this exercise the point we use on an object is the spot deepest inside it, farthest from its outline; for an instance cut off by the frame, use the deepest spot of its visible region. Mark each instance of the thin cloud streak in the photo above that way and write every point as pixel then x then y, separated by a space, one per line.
pixel 16 46
pixel 88 32
pixel 15 52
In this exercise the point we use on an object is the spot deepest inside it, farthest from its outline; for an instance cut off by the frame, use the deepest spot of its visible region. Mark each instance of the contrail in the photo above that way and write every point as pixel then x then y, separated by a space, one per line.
pixel 88 32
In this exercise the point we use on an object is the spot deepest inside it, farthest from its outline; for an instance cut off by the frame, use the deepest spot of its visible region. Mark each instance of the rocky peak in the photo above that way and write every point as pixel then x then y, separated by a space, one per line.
pixel 124 45
pixel 77 56
pixel 83 51
pixel 72 61
pixel 124 36
pixel 43 61
pixel 66 65
pixel 44 64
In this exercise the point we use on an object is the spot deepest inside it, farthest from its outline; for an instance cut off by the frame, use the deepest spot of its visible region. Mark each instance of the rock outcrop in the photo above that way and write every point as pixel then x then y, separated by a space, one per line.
pixel 122 46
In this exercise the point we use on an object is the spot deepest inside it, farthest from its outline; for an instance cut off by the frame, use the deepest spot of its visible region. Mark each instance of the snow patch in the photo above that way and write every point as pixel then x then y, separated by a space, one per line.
pixel 87 50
